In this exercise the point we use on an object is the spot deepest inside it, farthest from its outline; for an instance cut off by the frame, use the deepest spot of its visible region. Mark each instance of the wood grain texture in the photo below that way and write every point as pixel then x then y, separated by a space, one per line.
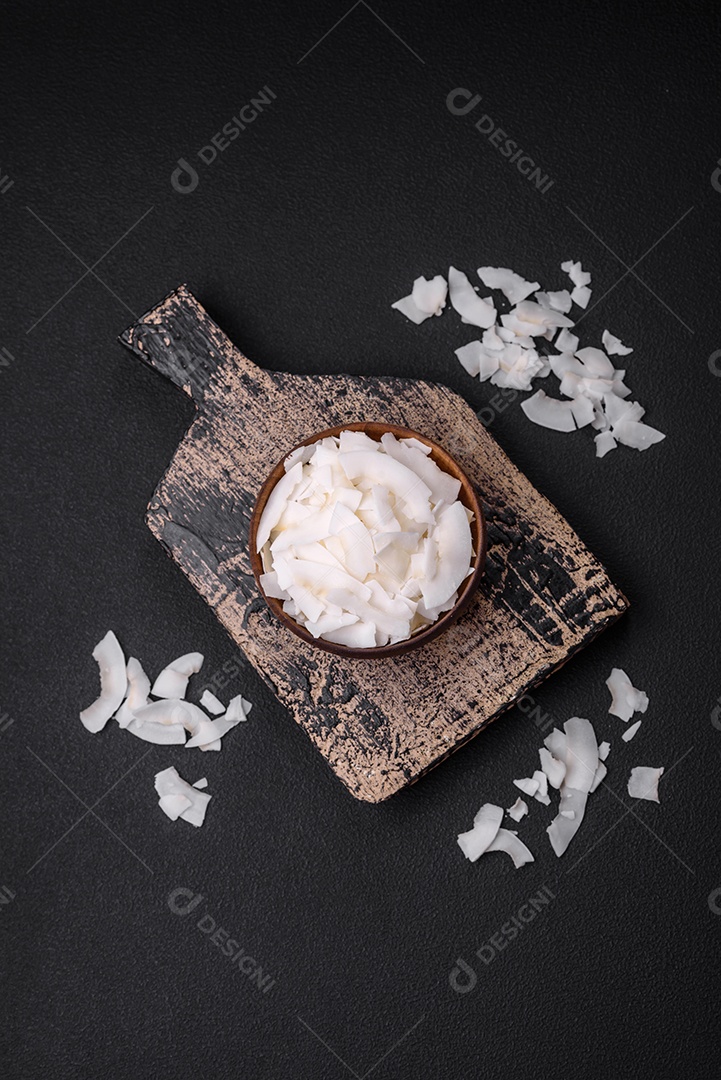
pixel 380 723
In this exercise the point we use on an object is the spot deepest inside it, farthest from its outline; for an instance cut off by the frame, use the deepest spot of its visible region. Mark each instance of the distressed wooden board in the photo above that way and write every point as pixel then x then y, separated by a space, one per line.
pixel 380 724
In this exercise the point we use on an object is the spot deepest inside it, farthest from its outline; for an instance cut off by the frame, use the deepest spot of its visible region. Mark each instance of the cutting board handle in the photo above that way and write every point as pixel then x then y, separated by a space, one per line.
pixel 179 339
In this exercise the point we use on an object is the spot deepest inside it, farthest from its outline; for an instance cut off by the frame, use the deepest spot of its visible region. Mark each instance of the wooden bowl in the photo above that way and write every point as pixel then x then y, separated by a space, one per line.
pixel 467 496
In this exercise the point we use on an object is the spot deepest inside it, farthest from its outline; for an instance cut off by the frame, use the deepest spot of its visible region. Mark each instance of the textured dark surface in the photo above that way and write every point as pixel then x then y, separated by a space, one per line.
pixel 351 182
pixel 381 724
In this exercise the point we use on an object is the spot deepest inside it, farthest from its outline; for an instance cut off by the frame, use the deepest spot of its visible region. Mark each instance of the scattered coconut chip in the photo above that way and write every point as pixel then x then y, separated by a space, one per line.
pixel 625 699
pixel 559 301
pixel 172 682
pixel 113 683
pixel 427 298
pixel 599 776
pixel 211 704
pixel 159 734
pixel 603 750
pixel 581 296
pixel 554 769
pixel 556 743
pixel 200 784
pixel 518 810
pixel 486 824
pixel 209 736
pixel 577 274
pixel 512 285
pixel 604 442
pixel 579 750
pixel 541 795
pixel 643 783
pixel 138 690
pixel 630 732
pixel 613 345
pixel 566 342
pixel 172 789
pixel 506 840
pixel 527 785
pixel 549 412
pixel 467 303
pixel 430 296
pixel 238 708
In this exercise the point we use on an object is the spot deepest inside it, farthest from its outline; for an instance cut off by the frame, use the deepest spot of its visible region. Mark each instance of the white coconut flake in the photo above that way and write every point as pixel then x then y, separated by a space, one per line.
pixel 603 750
pixel 541 795
pixel 512 285
pixel 158 734
pixel 598 777
pixel 581 295
pixel 507 841
pixel 556 744
pixel 549 412
pixel 238 708
pixel 554 769
pixel 467 303
pixel 113 684
pixel 518 810
pixel 631 731
pixel 407 307
pixel 559 301
pixel 172 790
pixel 201 784
pixel 613 345
pixel 604 442
pixel 430 296
pixel 486 824
pixel 138 690
pixel 625 698
pixel 564 827
pixel 643 783
pixel 527 785
pixel 566 342
pixel 172 682
pixel 211 704
pixel 577 274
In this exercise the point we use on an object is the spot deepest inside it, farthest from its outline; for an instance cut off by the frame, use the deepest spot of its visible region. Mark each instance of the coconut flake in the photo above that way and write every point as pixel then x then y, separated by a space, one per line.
pixel 643 783
pixel 559 301
pixel 581 295
pixel 518 810
pixel 113 684
pixel 604 442
pixel 630 732
pixel 577 274
pixel 486 824
pixel 613 345
pixel 603 750
pixel 211 704
pixel 564 827
pixel 549 412
pixel 508 841
pixel 554 769
pixel 138 690
pixel 541 795
pixel 172 682
pixel 172 790
pixel 527 785
pixel 625 699
pixel 467 303
pixel 566 342
pixel 430 296
pixel 512 285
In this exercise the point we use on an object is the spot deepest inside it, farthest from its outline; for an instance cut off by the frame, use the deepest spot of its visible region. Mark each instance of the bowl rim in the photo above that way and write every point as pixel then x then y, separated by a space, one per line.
pixel 467 495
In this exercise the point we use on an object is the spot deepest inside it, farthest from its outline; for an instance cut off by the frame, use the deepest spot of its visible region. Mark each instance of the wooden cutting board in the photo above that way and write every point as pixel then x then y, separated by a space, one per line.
pixel 379 724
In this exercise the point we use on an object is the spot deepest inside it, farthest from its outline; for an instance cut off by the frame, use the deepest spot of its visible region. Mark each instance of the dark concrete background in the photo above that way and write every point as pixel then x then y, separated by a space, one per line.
pixel 297 238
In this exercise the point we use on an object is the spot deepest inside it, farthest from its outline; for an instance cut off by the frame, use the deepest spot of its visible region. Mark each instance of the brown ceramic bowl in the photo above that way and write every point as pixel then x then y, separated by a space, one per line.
pixel 467 496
